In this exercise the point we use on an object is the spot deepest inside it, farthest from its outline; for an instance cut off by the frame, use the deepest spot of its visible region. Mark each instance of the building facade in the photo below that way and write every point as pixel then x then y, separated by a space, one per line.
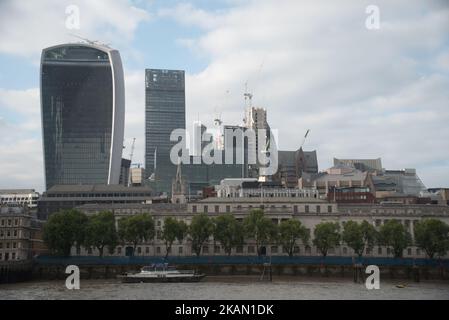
pixel 361 164
pixel 21 197
pixel 339 176
pixel 62 197
pixel 20 234
pixel 83 110
pixel 164 112
pixel 309 211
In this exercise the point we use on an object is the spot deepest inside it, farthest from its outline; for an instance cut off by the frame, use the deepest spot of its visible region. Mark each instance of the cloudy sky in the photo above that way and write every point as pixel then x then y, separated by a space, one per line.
pixel 363 92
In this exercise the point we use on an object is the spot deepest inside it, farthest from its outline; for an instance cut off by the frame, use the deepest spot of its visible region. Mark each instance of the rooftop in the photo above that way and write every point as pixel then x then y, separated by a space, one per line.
pixel 96 188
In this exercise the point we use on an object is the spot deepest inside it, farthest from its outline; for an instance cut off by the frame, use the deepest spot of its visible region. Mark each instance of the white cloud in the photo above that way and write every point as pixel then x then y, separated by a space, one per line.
pixel 29 26
pixel 21 157
pixel 25 102
pixel 187 14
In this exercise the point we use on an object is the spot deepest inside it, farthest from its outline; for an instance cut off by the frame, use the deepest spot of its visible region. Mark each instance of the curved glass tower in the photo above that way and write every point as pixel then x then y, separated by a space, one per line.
pixel 83 113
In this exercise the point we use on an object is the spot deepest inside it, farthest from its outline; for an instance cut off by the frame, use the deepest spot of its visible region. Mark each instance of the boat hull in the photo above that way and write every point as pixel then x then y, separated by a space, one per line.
pixel 143 279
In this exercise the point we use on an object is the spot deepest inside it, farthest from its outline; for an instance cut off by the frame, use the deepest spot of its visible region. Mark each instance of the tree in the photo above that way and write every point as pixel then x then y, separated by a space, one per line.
pixel 359 236
pixel 326 236
pixel 259 228
pixel 172 230
pixel 432 235
pixel 200 230
pixel 63 230
pixel 228 231
pixel 101 232
pixel 393 234
pixel 135 229
pixel 290 231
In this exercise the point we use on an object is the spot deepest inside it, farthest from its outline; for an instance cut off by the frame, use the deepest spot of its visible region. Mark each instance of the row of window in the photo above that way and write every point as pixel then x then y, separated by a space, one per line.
pixel 9 245
pixel 8 256
pixel 9 222
pixel 9 233
pixel 97 195
pixel 216 208
pixel 252 250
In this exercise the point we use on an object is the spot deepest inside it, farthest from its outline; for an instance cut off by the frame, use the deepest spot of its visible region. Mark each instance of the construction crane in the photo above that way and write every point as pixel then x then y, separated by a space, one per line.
pixel 304 139
pixel 91 42
pixel 131 154
pixel 132 150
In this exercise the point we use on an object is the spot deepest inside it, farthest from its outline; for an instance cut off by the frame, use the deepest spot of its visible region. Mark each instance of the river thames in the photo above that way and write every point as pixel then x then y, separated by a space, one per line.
pixel 227 288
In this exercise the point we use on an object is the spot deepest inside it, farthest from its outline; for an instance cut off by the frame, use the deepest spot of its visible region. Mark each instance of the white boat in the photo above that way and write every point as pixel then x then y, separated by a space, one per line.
pixel 162 273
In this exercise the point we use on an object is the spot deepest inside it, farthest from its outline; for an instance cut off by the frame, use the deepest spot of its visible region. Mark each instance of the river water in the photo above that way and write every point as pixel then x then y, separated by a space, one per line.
pixel 226 288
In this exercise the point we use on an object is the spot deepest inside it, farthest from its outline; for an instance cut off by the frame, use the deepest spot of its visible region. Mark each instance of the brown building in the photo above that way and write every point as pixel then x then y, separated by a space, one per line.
pixel 20 234
pixel 351 195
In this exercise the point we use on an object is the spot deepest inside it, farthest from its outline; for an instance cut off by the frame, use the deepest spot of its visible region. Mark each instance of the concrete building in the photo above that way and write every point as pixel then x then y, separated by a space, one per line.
pixel 250 188
pixel 394 182
pixel 69 196
pixel 83 114
pixel 256 119
pixel 307 210
pixel 350 195
pixel 361 164
pixel 21 197
pixel 439 195
pixel 20 234
pixel 337 176
pixel 137 176
pixel 293 164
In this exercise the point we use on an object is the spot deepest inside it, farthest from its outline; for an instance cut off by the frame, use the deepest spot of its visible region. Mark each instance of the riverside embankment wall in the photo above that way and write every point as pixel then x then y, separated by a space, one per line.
pixel 49 268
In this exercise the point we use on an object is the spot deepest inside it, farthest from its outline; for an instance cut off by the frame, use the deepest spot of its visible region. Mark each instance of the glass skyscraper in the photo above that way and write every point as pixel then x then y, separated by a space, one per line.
pixel 83 110
pixel 164 112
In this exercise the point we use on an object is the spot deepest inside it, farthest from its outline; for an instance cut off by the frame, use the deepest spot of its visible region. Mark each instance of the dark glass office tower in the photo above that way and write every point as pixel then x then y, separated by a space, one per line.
pixel 83 109
pixel 164 112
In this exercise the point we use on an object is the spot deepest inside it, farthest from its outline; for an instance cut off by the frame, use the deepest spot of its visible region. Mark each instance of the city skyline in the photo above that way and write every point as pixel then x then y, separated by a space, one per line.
pixel 386 97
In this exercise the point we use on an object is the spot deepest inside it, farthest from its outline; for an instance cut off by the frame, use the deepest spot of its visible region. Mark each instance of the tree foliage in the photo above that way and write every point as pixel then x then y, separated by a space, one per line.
pixel 173 230
pixel 259 228
pixel 136 229
pixel 200 230
pixel 432 235
pixel 393 234
pixel 359 236
pixel 228 231
pixel 326 236
pixel 290 231
pixel 101 232
pixel 63 230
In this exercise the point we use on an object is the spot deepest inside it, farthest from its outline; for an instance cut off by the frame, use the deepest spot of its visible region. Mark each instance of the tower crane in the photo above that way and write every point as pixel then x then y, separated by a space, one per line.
pixel 304 139
pixel 131 154
pixel 132 150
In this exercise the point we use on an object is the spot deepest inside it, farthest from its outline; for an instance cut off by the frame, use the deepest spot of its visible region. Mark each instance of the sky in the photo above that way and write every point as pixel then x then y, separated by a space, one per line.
pixel 363 92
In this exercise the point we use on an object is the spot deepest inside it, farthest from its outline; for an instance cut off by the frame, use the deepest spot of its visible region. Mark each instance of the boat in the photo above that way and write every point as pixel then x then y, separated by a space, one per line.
pixel 161 272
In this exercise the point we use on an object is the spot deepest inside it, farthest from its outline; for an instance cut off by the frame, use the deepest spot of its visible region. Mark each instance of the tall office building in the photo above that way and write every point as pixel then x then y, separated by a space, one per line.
pixel 83 110
pixel 164 112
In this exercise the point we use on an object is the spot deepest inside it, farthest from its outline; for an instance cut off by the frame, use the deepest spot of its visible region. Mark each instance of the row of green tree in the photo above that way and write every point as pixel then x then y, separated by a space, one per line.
pixel 72 228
